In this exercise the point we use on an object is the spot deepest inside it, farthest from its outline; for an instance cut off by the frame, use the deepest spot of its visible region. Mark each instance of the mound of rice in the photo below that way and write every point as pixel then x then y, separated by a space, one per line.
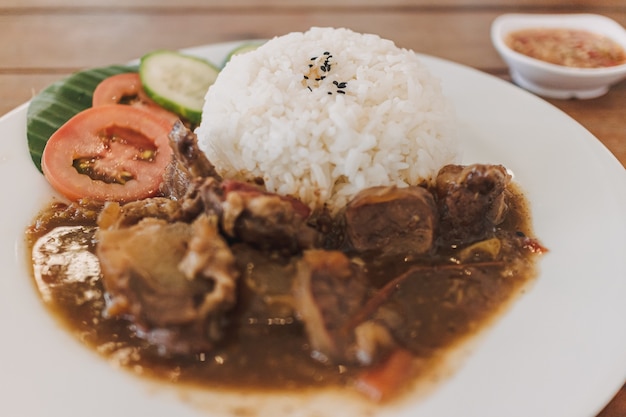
pixel 322 114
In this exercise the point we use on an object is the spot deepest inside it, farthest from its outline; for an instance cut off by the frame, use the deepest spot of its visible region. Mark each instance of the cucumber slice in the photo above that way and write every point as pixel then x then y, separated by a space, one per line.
pixel 177 81
pixel 241 49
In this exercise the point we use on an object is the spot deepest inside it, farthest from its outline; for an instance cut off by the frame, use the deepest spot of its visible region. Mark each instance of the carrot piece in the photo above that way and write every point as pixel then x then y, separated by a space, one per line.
pixel 385 380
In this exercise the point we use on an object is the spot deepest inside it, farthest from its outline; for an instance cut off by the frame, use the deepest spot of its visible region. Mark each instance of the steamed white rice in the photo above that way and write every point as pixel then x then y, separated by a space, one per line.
pixel 369 114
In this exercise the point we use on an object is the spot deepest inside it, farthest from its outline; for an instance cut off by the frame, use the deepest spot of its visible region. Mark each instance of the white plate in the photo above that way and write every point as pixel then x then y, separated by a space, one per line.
pixel 559 351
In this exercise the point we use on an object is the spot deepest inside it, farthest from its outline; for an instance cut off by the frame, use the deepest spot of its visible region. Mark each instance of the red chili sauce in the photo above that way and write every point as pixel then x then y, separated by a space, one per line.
pixel 567 47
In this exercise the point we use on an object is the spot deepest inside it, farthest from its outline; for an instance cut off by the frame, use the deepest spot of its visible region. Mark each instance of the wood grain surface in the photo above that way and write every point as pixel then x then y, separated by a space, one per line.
pixel 42 41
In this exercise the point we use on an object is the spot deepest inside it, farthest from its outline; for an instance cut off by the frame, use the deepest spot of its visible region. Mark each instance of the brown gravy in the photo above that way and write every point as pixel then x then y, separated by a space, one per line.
pixel 448 305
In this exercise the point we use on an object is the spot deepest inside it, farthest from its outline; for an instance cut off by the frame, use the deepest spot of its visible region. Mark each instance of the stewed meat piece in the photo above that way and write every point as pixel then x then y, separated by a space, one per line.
pixel 115 215
pixel 173 281
pixel 188 162
pixel 471 201
pixel 392 220
pixel 204 195
pixel 265 219
pixel 252 215
pixel 265 296
pixel 328 289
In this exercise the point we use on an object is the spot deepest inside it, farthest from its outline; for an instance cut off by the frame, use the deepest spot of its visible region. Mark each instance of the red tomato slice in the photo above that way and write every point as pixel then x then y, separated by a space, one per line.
pixel 127 89
pixel 108 153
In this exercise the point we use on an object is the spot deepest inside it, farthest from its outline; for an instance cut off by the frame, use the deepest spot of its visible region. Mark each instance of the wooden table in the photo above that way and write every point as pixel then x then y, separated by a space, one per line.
pixel 44 40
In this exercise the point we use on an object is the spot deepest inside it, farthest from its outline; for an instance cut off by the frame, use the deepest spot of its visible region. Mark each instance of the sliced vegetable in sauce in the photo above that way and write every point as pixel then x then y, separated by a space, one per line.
pixel 108 153
pixel 59 102
pixel 387 378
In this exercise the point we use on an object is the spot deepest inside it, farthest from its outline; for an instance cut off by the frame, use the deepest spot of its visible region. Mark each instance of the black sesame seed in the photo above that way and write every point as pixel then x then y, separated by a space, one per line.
pixel 330 94
pixel 341 92
pixel 310 89
pixel 306 77
pixel 326 53
pixel 314 58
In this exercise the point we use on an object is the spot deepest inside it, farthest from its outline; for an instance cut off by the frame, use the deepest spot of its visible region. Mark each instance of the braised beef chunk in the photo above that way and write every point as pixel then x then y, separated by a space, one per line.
pixel 115 215
pixel 267 220
pixel 174 281
pixel 204 195
pixel 328 289
pixel 252 215
pixel 265 296
pixel 188 162
pixel 471 201
pixel 392 220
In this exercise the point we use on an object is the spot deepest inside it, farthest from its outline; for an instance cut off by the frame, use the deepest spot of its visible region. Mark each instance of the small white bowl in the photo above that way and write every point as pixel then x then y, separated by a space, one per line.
pixel 557 81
